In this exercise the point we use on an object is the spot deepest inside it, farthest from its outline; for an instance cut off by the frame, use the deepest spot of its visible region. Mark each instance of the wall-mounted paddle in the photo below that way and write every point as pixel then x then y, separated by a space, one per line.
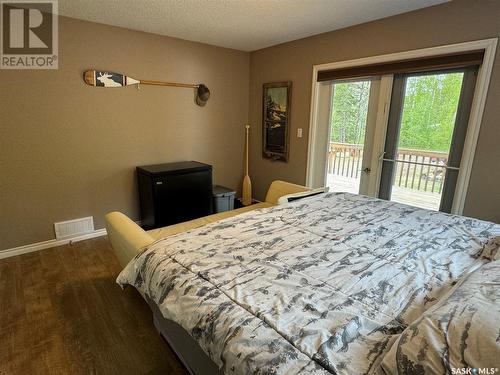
pixel 110 79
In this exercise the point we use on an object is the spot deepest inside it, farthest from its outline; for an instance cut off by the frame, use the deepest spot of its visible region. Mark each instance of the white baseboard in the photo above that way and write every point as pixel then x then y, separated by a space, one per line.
pixel 50 243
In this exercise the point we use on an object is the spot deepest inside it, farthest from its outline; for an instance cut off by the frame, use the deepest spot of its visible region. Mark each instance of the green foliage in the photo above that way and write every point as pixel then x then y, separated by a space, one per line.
pixel 429 111
pixel 349 111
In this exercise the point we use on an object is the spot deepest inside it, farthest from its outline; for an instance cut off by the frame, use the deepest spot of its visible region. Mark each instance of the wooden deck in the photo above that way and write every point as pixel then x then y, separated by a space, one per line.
pixel 423 199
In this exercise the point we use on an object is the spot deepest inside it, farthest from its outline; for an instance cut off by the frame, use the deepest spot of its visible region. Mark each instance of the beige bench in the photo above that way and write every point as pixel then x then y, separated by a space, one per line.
pixel 127 238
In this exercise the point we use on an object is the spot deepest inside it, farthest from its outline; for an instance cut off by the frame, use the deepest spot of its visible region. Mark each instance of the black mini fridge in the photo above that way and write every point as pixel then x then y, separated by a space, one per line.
pixel 174 192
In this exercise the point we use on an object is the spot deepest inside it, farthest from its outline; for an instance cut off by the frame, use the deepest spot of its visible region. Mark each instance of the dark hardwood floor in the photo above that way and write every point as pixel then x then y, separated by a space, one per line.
pixel 61 312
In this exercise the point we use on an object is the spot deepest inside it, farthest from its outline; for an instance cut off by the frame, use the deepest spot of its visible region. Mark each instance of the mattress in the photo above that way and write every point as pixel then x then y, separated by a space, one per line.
pixel 324 285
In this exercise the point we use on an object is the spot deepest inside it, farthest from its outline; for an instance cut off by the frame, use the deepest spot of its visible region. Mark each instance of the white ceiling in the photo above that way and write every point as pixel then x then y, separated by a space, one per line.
pixel 246 25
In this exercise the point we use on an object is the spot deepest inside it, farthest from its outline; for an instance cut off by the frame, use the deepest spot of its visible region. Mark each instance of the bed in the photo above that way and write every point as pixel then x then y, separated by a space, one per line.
pixel 330 284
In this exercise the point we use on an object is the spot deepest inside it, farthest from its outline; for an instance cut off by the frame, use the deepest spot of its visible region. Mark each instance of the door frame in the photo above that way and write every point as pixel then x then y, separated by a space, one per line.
pixel 380 93
pixel 476 114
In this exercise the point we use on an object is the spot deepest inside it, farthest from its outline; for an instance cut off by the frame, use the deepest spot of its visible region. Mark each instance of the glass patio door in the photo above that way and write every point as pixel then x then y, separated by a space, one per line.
pixel 353 114
pixel 425 136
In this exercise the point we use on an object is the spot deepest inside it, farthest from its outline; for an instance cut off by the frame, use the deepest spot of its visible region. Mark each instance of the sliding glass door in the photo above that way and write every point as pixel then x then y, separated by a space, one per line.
pixel 401 127
pixel 425 136
pixel 353 115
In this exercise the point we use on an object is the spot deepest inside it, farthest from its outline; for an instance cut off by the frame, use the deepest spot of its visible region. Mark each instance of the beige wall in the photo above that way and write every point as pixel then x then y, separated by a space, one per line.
pixel 68 150
pixel 458 21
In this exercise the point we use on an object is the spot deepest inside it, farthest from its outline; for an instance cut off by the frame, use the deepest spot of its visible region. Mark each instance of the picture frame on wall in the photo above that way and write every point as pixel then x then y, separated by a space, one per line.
pixel 276 100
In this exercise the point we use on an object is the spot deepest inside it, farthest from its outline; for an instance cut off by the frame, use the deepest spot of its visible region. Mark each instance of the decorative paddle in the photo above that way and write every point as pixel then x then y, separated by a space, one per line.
pixel 110 79
pixel 247 183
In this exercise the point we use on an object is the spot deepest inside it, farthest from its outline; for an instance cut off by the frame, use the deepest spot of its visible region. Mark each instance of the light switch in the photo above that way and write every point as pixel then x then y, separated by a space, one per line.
pixel 299 133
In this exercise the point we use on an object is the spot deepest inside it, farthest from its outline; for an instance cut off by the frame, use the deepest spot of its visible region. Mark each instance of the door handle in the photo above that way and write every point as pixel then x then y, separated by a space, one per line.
pixel 367 170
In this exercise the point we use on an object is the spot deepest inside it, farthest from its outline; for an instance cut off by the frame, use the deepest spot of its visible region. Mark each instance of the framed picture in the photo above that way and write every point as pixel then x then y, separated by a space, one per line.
pixel 276 120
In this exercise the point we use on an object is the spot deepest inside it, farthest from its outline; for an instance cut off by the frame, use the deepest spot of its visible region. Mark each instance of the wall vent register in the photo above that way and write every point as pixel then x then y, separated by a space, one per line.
pixel 72 228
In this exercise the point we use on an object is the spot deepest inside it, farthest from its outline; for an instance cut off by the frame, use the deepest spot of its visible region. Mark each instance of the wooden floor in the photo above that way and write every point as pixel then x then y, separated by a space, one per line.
pixel 61 312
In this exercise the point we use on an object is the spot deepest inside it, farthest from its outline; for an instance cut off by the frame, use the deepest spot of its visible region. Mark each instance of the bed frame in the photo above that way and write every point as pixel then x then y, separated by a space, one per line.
pixel 184 346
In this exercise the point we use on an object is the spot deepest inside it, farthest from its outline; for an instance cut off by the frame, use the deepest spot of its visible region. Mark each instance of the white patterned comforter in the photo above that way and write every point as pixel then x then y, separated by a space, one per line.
pixel 323 285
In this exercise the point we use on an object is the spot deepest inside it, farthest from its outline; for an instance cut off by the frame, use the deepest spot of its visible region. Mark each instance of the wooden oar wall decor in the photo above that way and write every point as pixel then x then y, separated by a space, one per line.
pixel 110 79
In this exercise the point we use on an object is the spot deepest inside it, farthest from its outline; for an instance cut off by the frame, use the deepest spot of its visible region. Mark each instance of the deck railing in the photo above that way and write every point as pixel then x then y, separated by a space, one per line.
pixel 345 159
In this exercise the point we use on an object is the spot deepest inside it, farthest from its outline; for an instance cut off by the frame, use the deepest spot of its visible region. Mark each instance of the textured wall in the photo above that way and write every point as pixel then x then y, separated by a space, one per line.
pixel 68 150
pixel 454 22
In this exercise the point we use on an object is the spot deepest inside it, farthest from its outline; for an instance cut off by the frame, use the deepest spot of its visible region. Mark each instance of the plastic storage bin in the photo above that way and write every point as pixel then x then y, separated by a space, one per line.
pixel 223 199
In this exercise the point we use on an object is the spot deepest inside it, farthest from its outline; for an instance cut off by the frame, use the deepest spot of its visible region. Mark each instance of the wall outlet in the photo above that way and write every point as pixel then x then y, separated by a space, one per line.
pixel 299 133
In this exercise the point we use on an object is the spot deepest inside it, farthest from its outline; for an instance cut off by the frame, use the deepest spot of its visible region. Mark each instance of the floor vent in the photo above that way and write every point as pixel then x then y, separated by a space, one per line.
pixel 73 228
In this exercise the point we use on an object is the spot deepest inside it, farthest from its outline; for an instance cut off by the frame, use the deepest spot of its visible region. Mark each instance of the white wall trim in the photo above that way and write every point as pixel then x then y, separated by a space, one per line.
pixel 48 244
pixel 481 91
pixel 475 119
pixel 313 129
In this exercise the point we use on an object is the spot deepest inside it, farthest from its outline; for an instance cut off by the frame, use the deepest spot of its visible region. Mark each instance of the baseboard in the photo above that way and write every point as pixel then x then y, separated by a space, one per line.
pixel 50 243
